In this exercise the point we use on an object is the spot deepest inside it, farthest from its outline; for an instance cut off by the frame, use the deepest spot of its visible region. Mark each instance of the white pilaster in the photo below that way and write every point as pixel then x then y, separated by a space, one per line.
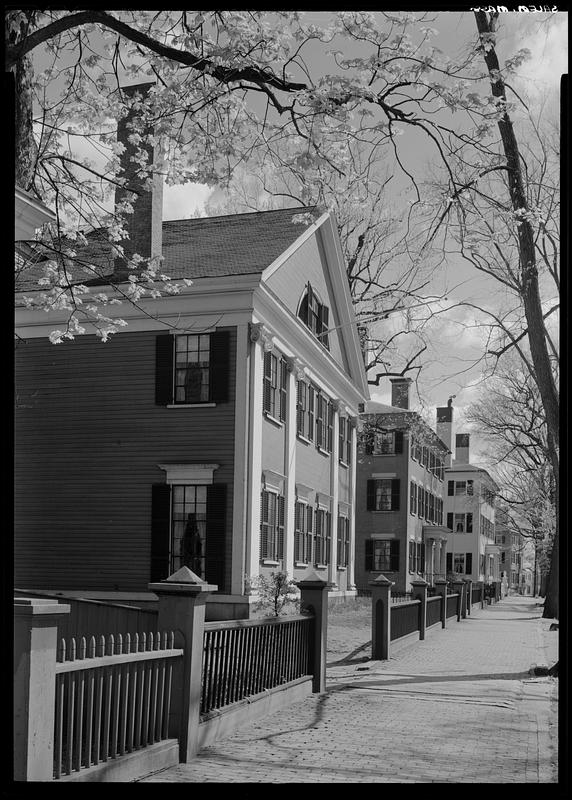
pixel 241 455
pixel 258 340
pixel 334 492
pixel 352 553
pixel 294 371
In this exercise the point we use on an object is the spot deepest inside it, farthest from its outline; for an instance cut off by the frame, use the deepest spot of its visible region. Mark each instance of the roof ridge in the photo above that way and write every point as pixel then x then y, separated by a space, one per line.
pixel 300 209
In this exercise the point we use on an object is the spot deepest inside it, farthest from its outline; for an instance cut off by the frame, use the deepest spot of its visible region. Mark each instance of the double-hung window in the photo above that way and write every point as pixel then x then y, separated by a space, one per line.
pixel 189 528
pixel 383 494
pixel 382 555
pixel 324 422
pixel 345 440
pixel 192 368
pixel 460 523
pixel 275 386
pixel 323 534
pixel 412 497
pixel 315 315
pixel 303 533
pixel 382 443
pixel 271 526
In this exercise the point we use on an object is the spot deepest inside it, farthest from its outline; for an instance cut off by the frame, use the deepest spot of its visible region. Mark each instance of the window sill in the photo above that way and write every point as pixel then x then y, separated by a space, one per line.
pixel 342 569
pixel 322 451
pixel 191 405
pixel 304 439
pixel 267 562
pixel 384 510
pixel 273 420
pixel 343 464
pixel 321 566
pixel 301 563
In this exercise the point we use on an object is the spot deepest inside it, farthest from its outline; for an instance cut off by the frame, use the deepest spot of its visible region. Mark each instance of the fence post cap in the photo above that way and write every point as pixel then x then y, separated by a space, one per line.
pixel 440 582
pixel 311 580
pixel 419 582
pixel 183 581
pixel 381 580
pixel 34 606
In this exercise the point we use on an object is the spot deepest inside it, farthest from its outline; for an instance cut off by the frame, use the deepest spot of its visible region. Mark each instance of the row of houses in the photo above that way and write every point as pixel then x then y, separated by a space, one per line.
pixel 230 428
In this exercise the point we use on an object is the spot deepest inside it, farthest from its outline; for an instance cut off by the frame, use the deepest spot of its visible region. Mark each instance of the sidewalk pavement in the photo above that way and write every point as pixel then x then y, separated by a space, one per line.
pixel 460 707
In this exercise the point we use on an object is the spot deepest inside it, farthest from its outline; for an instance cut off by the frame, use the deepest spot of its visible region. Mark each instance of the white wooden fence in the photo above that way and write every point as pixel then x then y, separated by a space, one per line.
pixel 113 697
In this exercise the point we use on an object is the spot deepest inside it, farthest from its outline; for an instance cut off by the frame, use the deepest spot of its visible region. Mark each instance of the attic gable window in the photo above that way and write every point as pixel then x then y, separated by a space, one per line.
pixel 315 315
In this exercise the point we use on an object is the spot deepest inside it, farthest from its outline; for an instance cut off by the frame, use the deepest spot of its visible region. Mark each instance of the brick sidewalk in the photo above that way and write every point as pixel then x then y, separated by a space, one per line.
pixel 460 707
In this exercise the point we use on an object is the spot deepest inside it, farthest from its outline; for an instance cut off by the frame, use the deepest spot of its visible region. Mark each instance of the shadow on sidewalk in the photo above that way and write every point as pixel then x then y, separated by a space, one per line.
pixel 411 680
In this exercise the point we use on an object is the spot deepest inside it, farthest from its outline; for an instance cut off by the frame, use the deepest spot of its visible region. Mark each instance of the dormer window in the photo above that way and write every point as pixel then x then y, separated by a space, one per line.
pixel 315 315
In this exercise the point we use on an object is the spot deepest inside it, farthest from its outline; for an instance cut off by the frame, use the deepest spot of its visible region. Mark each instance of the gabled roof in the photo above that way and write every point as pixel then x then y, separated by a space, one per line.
pixel 205 247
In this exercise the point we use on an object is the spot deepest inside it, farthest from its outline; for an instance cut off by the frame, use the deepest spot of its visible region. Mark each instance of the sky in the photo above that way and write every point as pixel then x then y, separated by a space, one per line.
pixel 546 36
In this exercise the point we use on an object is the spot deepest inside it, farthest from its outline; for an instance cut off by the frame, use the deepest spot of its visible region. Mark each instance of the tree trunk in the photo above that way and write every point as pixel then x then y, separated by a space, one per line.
pixel 25 148
pixel 529 289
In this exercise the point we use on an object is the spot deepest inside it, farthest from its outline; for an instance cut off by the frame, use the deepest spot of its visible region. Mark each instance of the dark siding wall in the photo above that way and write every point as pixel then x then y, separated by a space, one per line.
pixel 88 439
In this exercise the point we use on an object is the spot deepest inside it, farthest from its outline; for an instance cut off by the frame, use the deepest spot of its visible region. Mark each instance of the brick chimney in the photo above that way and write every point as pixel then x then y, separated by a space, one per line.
pixel 444 427
pixel 462 448
pixel 145 224
pixel 400 392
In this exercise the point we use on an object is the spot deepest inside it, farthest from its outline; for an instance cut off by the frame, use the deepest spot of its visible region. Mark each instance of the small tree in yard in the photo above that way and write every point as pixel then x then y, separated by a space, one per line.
pixel 275 592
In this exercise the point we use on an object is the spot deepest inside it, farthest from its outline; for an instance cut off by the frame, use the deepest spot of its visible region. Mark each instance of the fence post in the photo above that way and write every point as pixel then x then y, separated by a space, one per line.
pixel 182 602
pixel 482 587
pixel 380 617
pixel 35 648
pixel 469 595
pixel 441 587
pixel 419 587
pixel 459 586
pixel 314 597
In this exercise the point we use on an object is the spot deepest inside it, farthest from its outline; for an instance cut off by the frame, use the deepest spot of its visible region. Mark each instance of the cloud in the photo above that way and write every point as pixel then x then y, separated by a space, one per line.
pixel 546 36
pixel 184 201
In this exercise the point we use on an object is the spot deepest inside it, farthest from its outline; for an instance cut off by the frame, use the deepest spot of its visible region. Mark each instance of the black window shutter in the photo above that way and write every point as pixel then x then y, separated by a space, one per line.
pixel 164 345
pixel 450 487
pixel 267 381
pixel 394 555
pixel 216 535
pixel 160 531
pixel 449 557
pixel 310 431
pixel 395 494
pixel 399 442
pixel 370 495
pixel 300 387
pixel 468 563
pixel 219 366
pixel 264 524
pixel 369 555
pixel 280 543
pixel 450 520
pixel 283 389
pixel 469 523
pixel 324 314
pixel 422 556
